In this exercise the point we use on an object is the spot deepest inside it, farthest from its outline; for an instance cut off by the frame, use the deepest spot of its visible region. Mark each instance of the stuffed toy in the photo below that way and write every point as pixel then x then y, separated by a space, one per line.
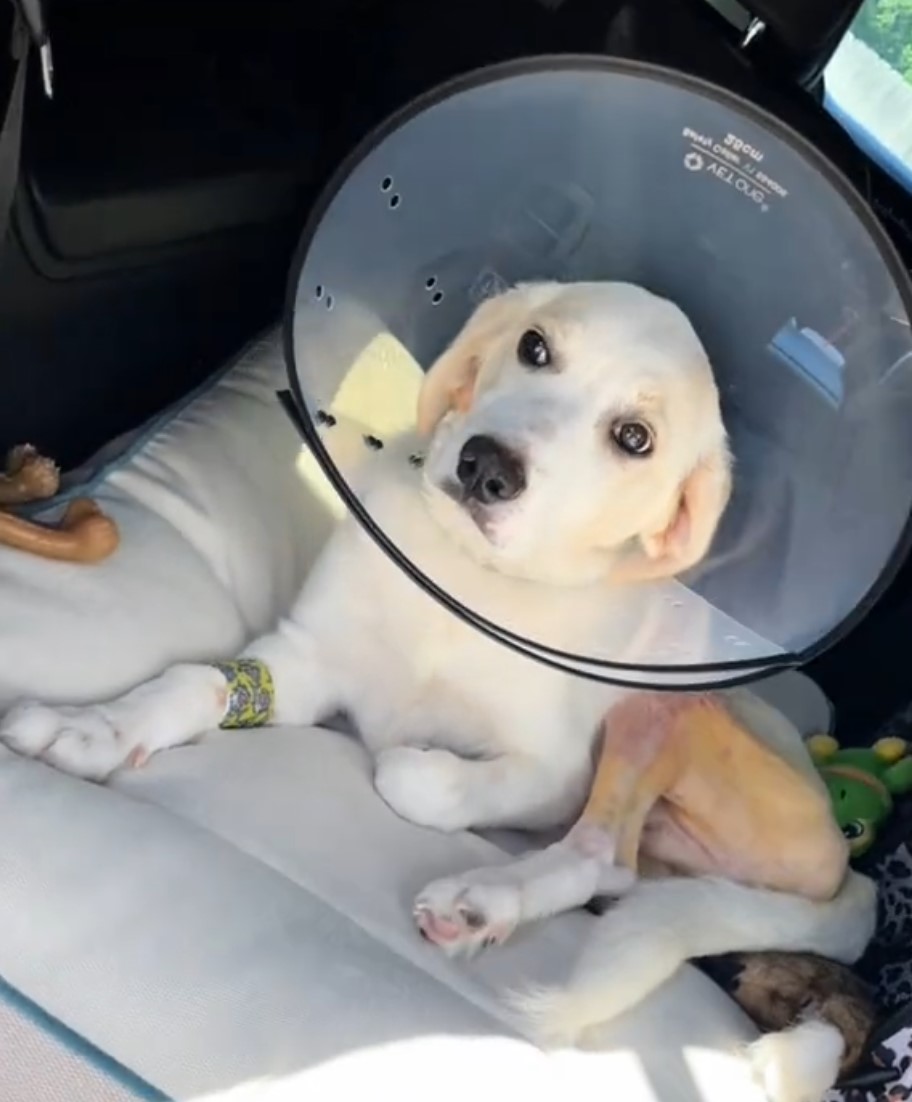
pixel 862 782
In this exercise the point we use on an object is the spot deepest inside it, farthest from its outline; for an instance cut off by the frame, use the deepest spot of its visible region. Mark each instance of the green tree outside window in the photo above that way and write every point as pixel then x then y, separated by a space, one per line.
pixel 886 26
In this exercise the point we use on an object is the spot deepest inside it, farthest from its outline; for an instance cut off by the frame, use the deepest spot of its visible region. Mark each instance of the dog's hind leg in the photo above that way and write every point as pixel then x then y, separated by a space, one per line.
pixel 660 924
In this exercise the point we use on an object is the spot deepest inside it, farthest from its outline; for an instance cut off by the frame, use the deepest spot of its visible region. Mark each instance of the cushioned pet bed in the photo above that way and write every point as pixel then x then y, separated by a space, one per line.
pixel 232 921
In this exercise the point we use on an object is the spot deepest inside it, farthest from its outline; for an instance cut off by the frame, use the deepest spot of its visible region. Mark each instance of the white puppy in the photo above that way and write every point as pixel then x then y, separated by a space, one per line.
pixel 576 445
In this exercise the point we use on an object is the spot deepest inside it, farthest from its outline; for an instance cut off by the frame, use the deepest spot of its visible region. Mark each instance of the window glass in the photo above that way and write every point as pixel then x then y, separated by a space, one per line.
pixel 869 83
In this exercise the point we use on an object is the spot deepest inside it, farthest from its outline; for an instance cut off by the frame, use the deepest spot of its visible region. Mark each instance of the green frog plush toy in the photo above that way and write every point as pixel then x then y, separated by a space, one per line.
pixel 862 782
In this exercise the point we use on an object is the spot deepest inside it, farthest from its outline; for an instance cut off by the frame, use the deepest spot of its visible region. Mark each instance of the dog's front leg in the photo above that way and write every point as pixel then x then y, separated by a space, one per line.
pixel 483 907
pixel 281 678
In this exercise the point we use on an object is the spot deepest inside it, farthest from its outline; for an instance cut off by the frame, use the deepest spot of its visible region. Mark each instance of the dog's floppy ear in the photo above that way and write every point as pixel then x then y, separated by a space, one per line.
pixel 683 540
pixel 450 383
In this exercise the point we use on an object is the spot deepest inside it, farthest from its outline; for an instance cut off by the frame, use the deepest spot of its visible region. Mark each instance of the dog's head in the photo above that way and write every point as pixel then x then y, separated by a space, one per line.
pixel 576 434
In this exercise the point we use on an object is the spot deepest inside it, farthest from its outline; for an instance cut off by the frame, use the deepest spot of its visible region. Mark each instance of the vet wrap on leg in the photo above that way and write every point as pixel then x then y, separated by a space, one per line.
pixel 251 693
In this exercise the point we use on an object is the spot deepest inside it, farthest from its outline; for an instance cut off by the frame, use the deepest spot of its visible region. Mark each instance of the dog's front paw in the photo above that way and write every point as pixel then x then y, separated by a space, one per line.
pixel 81 741
pixel 463 914
pixel 426 787
pixel 92 741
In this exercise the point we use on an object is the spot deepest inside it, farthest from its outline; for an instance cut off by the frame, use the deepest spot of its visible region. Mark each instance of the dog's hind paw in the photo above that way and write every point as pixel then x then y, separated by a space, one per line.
pixel 462 916
pixel 799 1064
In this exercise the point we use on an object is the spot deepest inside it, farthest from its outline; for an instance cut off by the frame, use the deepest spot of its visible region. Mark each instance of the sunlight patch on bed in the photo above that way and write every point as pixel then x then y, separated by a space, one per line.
pixel 721 1076
pixel 451 1069
pixel 377 397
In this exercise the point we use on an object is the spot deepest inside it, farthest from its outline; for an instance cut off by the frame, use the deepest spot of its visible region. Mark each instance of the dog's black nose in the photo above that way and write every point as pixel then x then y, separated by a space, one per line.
pixel 489 472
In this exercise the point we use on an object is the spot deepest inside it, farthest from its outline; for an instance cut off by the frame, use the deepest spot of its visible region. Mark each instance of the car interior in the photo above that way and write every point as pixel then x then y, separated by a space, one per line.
pixel 159 194
pixel 162 188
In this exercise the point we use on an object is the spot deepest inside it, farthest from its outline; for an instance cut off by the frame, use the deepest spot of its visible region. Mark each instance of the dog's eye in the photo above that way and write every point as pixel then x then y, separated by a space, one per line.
pixel 632 437
pixel 533 350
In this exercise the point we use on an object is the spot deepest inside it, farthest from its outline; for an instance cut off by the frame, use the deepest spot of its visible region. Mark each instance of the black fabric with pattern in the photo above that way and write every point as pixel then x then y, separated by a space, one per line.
pixel 887 964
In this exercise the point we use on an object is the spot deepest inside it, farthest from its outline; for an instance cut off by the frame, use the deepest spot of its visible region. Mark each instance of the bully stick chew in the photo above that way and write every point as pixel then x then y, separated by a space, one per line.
pixel 84 535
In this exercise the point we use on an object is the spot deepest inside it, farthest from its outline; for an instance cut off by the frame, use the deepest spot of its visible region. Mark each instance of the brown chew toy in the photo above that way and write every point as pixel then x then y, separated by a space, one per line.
pixel 778 990
pixel 84 535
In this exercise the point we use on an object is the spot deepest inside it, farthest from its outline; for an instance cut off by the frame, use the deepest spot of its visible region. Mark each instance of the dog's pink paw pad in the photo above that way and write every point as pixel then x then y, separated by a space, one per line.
pixel 435 928
pixel 462 918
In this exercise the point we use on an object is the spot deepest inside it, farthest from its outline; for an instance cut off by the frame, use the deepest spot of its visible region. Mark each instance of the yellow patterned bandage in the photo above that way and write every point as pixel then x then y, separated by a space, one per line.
pixel 251 693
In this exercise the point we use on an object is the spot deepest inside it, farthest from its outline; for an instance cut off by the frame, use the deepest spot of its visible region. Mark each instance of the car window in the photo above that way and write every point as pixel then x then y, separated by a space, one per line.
pixel 868 84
